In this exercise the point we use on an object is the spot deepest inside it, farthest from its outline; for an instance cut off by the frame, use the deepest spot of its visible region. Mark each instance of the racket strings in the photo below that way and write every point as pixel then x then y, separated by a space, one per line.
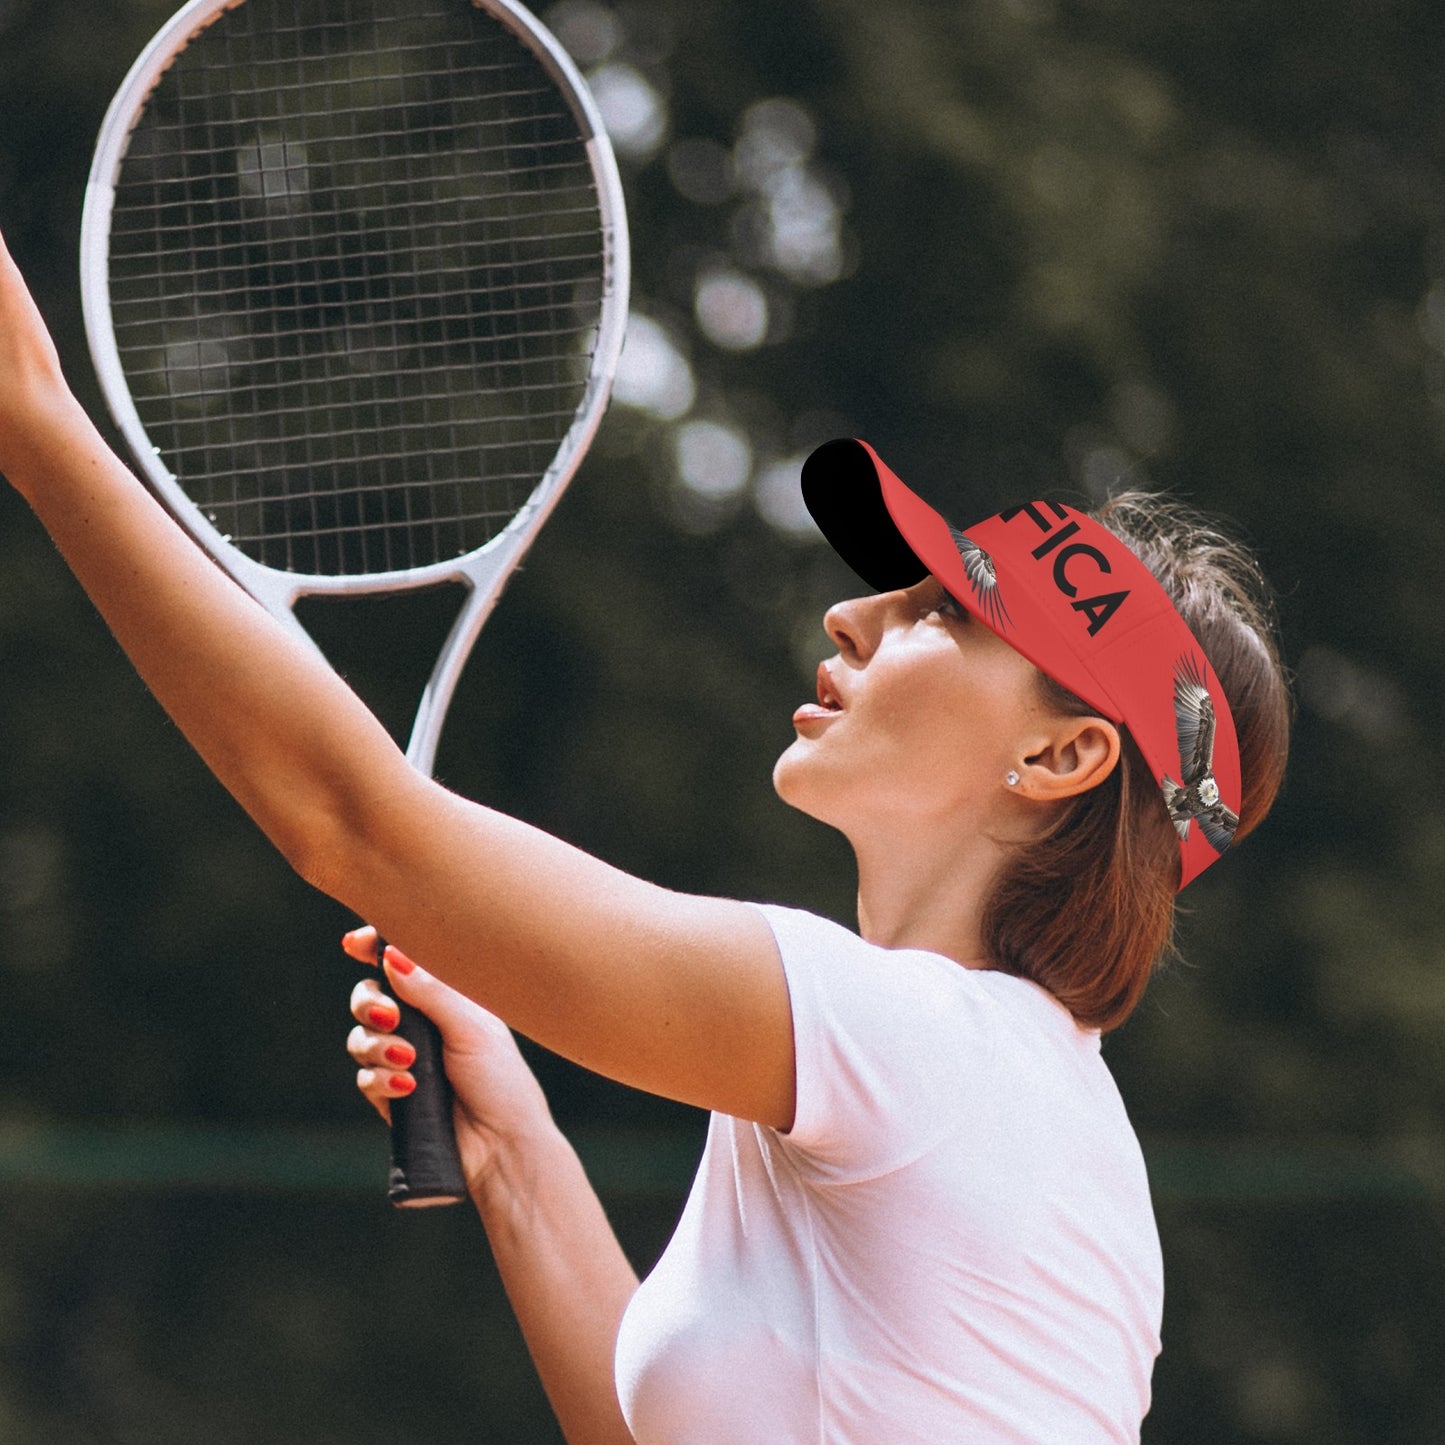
pixel 356 273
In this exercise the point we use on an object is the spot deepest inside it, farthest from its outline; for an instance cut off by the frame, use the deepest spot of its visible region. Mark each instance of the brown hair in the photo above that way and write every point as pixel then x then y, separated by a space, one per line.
pixel 1087 909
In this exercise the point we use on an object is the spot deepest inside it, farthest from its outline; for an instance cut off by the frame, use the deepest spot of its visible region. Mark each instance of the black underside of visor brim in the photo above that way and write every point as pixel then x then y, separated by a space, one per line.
pixel 842 491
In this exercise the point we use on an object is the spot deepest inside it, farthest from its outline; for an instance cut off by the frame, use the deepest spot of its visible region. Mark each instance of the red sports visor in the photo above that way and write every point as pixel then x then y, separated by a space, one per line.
pixel 1064 591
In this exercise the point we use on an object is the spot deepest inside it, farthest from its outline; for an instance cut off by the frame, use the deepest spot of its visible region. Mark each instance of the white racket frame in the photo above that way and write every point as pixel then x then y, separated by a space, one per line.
pixel 482 572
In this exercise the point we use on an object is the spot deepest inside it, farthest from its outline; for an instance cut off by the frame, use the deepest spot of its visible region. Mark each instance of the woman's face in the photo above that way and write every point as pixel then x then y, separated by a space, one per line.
pixel 919 716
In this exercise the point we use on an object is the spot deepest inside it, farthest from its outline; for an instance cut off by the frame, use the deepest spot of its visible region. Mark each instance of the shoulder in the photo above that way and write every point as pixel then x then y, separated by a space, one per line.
pixel 821 956
pixel 894 1047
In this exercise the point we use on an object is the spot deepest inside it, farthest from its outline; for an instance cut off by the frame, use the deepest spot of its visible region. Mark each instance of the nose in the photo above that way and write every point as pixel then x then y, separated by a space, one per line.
pixel 857 625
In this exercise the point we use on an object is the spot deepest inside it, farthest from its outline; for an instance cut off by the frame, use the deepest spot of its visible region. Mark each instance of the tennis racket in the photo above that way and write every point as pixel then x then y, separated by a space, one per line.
pixel 355 279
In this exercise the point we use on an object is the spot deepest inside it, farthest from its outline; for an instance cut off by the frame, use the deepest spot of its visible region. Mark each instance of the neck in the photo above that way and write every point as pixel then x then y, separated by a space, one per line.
pixel 922 888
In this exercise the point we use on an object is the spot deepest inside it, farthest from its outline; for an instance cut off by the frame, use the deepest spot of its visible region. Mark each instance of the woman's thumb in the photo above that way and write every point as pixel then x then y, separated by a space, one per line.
pixel 412 984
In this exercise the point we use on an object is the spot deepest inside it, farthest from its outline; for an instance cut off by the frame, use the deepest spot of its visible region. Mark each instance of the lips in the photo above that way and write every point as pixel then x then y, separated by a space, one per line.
pixel 828 706
pixel 827 694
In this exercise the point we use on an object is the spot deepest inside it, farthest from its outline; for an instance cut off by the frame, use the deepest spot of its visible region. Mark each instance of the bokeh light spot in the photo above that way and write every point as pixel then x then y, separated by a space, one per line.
pixel 775 135
pixel 731 309
pixel 778 497
pixel 632 109
pixel 653 375
pixel 589 32
pixel 713 460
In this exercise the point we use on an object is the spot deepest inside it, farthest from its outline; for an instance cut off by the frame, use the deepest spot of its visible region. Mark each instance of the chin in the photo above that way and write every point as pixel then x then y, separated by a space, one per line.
pixel 797 781
pixel 784 770
pixel 790 773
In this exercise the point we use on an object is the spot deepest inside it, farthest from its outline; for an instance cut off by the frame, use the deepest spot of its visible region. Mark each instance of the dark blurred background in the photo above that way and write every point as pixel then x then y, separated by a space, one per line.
pixel 1022 246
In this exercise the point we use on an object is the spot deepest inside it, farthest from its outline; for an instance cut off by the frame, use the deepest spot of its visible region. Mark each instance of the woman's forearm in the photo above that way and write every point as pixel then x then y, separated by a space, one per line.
pixel 280 730
pixel 265 712
pixel 566 1277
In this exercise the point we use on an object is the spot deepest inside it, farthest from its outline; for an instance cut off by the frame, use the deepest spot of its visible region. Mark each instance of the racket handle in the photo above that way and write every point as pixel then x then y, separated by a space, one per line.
pixel 425 1166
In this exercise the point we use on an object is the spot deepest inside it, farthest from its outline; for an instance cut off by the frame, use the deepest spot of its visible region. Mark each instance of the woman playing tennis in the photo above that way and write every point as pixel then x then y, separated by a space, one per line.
pixel 922 1214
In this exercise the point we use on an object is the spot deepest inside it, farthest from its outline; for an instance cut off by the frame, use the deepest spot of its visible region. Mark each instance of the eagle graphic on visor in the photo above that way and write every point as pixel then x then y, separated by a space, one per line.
pixel 979 568
pixel 1196 798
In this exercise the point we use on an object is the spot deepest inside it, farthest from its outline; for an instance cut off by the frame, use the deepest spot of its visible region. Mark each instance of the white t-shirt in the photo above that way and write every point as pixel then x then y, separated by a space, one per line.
pixel 953 1243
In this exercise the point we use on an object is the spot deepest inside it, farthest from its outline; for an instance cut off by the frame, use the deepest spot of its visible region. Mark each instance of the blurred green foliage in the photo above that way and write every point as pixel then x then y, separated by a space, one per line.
pixel 1021 245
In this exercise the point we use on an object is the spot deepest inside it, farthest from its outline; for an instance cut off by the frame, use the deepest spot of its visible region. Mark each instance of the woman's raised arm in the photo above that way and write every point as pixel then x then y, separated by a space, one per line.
pixel 678 995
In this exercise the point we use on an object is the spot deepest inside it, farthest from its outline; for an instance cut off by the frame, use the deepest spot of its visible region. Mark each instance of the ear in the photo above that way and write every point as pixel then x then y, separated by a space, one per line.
pixel 1077 754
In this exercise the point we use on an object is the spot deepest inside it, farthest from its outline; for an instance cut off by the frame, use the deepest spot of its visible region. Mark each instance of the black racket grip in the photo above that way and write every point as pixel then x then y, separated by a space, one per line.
pixel 425 1166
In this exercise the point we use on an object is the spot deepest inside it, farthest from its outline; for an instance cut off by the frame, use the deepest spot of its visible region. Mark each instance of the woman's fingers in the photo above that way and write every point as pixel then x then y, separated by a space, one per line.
pixel 383 1074
pixel 379 1051
pixel 458 1017
pixel 381 1086
pixel 370 1006
pixel 384 1056
pixel 360 944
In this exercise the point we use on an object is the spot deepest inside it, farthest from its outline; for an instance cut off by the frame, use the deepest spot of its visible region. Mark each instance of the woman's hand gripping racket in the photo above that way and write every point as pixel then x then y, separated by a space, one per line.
pixel 355 282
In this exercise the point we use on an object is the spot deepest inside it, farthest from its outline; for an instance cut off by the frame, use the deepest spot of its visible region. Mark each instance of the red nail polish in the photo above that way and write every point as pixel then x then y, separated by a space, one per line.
pixel 398 960
pixel 403 1083
pixel 357 944
pixel 383 1018
pixel 400 1055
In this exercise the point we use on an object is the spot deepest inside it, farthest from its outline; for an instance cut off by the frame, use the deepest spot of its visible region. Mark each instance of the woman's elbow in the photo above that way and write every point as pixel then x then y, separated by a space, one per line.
pixel 313 841
pixel 335 840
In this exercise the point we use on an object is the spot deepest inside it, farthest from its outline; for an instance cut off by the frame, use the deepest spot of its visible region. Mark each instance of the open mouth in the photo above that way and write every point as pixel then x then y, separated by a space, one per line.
pixel 827 696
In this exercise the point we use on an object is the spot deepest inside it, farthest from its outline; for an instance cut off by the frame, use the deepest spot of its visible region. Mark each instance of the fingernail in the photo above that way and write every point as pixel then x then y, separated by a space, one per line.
pixel 398 960
pixel 401 1055
pixel 383 1018
pixel 356 944
pixel 403 1083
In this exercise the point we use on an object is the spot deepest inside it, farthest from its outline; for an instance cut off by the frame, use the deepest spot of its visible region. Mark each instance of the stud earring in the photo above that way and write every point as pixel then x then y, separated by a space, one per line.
pixel 1011 778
